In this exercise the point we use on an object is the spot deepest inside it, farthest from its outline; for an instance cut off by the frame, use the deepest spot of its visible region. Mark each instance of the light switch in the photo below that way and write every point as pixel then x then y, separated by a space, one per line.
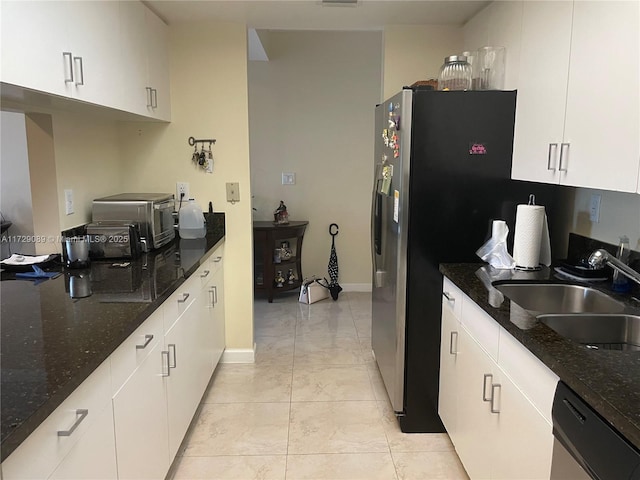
pixel 68 202
pixel 288 178
pixel 233 192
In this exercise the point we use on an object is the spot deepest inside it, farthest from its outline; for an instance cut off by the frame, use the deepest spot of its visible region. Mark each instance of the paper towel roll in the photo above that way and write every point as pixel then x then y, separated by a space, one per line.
pixel 527 243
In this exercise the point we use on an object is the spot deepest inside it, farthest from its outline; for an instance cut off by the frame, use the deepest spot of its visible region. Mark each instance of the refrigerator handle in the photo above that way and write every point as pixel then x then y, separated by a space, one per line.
pixel 377 223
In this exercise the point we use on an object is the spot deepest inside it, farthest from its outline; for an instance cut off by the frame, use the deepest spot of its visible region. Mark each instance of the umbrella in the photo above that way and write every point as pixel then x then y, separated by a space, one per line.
pixel 334 288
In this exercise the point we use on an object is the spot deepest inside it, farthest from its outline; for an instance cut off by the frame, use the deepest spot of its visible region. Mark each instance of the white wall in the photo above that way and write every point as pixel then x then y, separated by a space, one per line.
pixel 311 112
pixel 208 69
pixel 416 52
pixel 15 186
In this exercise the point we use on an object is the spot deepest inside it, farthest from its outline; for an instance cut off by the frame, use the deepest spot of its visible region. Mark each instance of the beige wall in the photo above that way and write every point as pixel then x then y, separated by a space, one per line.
pixel 619 215
pixel 416 52
pixel 87 160
pixel 312 113
pixel 208 67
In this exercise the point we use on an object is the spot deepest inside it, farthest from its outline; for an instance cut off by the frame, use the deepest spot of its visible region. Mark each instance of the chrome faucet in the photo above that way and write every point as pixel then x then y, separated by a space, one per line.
pixel 601 257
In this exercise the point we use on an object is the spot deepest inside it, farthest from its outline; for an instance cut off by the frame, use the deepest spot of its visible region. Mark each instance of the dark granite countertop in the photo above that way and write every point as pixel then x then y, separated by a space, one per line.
pixel 50 342
pixel 607 380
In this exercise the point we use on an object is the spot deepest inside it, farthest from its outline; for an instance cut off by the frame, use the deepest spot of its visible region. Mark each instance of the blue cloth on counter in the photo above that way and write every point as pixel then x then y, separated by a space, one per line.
pixel 37 274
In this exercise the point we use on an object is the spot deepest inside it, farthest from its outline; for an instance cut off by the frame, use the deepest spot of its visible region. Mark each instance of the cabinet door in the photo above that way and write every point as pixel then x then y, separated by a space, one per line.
pixel 476 441
pixel 158 66
pixel 94 456
pixel 219 341
pixel 542 89
pixel 524 438
pixel 135 97
pixel 27 62
pixel 506 31
pixel 185 382
pixel 93 29
pixel 447 396
pixel 140 418
pixel 603 119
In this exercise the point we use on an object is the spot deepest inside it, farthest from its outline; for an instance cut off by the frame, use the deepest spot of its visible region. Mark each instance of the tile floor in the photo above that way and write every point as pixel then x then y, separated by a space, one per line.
pixel 312 407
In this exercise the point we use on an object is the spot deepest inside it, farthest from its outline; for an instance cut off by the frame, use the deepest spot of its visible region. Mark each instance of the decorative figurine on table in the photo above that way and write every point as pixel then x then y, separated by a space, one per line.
pixel 281 216
pixel 285 251
pixel 279 279
pixel 291 277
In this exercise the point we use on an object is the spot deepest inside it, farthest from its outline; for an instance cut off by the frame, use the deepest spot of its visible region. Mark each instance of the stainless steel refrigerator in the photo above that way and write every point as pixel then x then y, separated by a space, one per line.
pixel 442 173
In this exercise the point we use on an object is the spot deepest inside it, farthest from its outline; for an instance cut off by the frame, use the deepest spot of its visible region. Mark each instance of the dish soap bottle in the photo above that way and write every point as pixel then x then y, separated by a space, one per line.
pixel 620 281
pixel 191 221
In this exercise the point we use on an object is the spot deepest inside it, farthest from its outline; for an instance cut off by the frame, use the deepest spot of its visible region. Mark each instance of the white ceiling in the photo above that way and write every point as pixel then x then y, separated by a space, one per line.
pixel 312 15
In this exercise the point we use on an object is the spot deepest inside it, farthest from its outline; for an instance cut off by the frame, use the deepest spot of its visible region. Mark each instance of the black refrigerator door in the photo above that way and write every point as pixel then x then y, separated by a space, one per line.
pixel 460 162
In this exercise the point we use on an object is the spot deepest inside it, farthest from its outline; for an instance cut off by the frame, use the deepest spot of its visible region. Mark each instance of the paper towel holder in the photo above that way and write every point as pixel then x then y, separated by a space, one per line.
pixel 531 202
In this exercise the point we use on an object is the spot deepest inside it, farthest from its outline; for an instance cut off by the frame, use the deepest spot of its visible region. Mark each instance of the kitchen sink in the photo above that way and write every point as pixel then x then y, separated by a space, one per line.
pixel 598 331
pixel 539 298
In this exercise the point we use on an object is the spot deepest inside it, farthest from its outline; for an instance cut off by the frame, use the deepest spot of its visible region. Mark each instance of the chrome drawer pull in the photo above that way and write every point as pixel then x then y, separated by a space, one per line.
pixel 154 98
pixel 555 147
pixel 449 297
pixel 493 396
pixel 165 353
pixel 562 150
pixel 81 76
pixel 484 388
pixel 451 350
pixel 217 259
pixel 148 96
pixel 205 274
pixel 147 341
pixel 170 346
pixel 214 290
pixel 82 413
pixel 70 57
pixel 184 298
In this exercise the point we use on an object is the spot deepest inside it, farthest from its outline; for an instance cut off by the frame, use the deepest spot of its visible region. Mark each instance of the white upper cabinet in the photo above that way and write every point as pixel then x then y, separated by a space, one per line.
pixel 577 116
pixel 108 53
pixel 602 124
pixel 505 26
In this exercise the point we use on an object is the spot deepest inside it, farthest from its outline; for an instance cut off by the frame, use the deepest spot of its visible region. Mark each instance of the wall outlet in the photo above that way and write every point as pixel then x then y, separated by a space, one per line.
pixel 233 192
pixel 68 202
pixel 288 178
pixel 594 207
pixel 182 187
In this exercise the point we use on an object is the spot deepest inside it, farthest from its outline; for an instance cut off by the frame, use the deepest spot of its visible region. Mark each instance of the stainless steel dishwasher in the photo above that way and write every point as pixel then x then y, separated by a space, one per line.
pixel 586 446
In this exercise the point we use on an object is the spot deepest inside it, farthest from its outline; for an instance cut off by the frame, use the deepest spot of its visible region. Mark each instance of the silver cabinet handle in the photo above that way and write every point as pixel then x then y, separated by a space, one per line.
pixel 562 150
pixel 172 346
pixel 81 415
pixel 451 350
pixel 184 298
pixel 555 148
pixel 484 388
pixel 147 341
pixel 154 98
pixel 165 353
pixel 205 274
pixel 69 57
pixel 493 397
pixel 149 95
pixel 449 297
pixel 217 259
pixel 80 78
pixel 214 289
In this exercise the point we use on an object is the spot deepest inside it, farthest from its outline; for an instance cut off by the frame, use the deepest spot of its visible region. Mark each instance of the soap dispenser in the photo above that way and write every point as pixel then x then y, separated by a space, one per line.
pixel 620 281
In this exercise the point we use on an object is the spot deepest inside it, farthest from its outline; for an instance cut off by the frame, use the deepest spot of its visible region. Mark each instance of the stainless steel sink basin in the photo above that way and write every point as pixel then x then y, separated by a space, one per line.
pixel 538 298
pixel 598 331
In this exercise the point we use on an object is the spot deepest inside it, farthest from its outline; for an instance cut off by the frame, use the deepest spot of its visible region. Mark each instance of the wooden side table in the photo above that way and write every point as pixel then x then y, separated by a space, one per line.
pixel 267 237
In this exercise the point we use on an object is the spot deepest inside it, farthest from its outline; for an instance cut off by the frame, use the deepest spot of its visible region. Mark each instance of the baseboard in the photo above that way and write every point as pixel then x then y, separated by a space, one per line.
pixel 239 355
pixel 356 287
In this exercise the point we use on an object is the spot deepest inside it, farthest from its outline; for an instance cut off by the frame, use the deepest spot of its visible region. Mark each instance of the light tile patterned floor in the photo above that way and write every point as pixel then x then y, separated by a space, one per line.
pixel 312 407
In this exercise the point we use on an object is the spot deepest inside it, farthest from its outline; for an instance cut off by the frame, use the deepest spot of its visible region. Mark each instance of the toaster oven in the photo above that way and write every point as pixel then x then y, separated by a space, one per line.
pixel 152 212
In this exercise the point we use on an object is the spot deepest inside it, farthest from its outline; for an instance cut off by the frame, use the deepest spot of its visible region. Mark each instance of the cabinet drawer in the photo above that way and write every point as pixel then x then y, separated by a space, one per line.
pixel 128 356
pixel 481 327
pixel 215 261
pixel 39 455
pixel 536 381
pixel 452 296
pixel 180 300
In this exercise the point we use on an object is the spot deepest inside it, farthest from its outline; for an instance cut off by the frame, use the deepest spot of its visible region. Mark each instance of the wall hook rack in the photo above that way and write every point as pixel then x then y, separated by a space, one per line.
pixel 192 141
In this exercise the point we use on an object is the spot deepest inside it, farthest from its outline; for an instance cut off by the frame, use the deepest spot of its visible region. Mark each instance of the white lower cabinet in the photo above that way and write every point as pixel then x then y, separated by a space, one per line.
pixel 497 430
pixel 140 411
pixel 127 420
